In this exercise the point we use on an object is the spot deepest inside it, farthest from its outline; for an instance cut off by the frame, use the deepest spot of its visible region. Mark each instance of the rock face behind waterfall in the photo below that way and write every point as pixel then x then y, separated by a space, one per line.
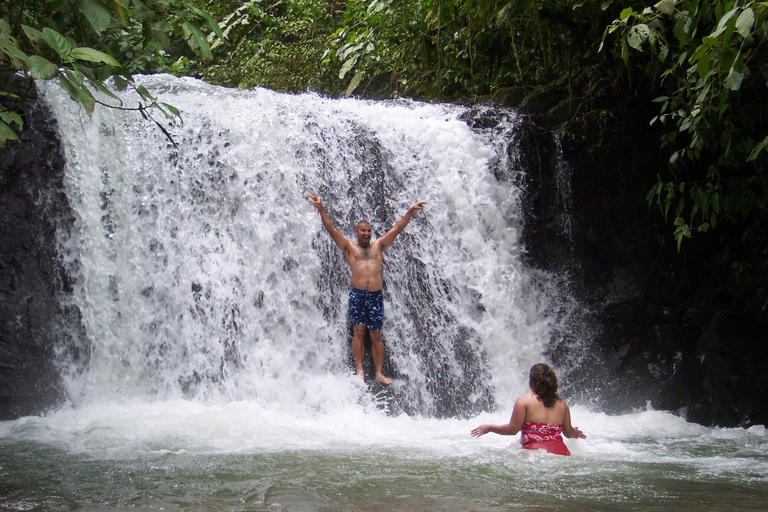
pixel 30 188
pixel 663 329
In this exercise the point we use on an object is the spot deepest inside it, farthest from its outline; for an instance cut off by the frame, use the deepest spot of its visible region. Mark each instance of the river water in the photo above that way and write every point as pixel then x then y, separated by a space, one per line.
pixel 211 370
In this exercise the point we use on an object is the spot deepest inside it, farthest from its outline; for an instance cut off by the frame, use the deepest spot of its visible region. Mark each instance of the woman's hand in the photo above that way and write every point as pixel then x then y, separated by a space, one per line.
pixel 480 431
pixel 578 433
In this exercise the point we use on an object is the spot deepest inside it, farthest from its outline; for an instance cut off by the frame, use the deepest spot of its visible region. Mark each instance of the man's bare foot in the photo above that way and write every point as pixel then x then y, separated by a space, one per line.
pixel 384 380
pixel 360 373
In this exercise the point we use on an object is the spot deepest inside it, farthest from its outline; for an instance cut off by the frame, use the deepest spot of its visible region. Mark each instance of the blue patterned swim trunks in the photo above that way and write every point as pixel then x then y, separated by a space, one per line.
pixel 366 308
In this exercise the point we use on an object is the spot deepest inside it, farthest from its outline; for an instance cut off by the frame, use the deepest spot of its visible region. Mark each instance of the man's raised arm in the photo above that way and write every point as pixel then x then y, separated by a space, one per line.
pixel 389 237
pixel 340 239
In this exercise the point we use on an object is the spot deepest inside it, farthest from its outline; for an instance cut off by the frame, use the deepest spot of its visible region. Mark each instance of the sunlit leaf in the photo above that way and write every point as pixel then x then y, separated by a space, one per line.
pixel 745 22
pixel 723 23
pixel 91 55
pixel 637 36
pixel 354 83
pixel 734 79
pixel 348 65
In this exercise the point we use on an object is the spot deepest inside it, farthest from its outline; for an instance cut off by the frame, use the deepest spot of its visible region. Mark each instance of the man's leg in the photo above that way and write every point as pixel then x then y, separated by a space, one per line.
pixel 377 354
pixel 358 348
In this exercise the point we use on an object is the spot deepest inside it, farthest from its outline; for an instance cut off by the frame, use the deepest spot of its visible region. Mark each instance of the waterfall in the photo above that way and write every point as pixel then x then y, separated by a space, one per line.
pixel 201 271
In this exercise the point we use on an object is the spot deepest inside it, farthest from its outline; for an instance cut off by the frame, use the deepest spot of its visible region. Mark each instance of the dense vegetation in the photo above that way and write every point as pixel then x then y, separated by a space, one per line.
pixel 701 65
pixel 83 42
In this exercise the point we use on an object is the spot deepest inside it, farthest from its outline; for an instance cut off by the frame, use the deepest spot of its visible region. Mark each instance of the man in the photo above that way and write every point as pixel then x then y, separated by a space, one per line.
pixel 366 305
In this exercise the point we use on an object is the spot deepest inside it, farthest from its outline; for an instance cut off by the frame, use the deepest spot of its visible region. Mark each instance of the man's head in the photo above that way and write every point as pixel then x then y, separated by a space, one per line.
pixel 364 233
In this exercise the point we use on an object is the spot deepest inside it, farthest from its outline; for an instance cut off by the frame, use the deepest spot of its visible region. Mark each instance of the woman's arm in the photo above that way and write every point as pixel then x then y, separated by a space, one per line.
pixel 513 427
pixel 570 431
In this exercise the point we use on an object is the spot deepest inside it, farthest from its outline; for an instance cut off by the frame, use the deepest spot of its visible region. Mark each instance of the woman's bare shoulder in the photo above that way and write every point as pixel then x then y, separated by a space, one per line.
pixel 527 398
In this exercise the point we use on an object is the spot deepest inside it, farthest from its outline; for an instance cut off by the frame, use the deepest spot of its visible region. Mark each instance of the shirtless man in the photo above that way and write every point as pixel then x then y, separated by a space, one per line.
pixel 366 305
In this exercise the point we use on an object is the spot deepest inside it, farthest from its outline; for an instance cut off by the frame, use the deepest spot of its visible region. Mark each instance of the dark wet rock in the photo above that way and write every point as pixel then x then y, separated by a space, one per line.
pixel 30 186
pixel 664 328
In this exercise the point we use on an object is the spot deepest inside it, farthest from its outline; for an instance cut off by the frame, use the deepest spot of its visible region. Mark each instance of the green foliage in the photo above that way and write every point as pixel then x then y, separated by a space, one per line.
pixel 448 49
pixel 707 62
pixel 83 42
pixel 269 43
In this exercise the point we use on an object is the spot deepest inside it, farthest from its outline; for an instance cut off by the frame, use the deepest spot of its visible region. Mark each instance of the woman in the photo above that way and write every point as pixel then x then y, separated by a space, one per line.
pixel 541 416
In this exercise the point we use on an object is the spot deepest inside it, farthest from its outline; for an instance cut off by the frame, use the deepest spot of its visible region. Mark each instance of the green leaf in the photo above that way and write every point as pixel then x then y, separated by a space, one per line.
pixel 97 14
pixel 104 90
pixel 638 35
pixel 211 22
pixel 734 79
pixel 723 23
pixel 161 108
pixel 757 150
pixel 703 65
pixel 197 40
pixel 91 55
pixel 41 68
pixel 350 62
pixel 33 34
pixel 145 94
pixel 666 6
pixel 119 7
pixel 120 82
pixel 17 57
pixel 173 109
pixel 11 117
pixel 6 134
pixel 745 22
pixel 354 83
pixel 78 91
pixel 58 42
pixel 378 6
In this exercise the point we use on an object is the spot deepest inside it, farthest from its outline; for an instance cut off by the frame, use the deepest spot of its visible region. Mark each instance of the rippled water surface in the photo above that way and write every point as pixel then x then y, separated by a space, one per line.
pixel 187 456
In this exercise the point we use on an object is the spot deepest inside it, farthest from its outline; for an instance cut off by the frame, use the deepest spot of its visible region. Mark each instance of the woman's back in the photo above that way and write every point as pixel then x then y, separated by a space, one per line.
pixel 537 412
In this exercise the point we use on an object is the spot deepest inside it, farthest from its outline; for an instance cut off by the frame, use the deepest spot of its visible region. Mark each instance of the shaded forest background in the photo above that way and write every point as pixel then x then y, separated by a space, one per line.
pixel 663 102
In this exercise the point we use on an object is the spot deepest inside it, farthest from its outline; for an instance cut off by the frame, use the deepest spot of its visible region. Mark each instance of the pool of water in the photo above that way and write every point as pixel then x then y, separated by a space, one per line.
pixel 184 455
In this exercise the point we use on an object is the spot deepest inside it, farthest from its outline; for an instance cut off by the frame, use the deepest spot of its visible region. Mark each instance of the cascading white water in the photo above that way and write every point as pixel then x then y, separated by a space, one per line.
pixel 202 270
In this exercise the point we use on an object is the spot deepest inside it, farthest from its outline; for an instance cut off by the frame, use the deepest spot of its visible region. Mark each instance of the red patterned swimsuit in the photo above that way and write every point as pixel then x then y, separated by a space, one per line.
pixel 547 436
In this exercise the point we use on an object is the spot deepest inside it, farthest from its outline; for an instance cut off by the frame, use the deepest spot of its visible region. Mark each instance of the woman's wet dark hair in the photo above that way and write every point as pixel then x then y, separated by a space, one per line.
pixel 543 382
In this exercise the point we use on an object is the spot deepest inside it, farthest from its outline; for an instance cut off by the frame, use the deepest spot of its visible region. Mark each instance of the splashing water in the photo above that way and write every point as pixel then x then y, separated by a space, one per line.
pixel 202 271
